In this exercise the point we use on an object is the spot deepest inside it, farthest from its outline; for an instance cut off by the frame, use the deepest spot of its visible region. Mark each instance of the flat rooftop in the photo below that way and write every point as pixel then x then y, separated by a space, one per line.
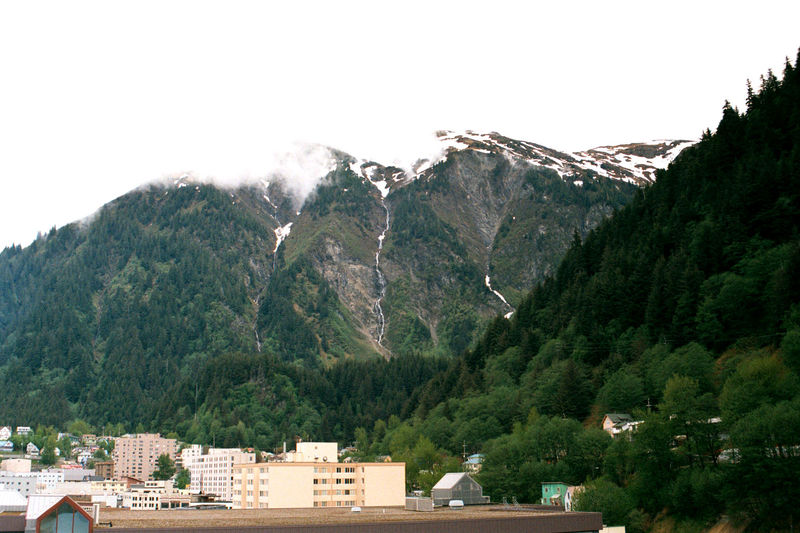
pixel 370 518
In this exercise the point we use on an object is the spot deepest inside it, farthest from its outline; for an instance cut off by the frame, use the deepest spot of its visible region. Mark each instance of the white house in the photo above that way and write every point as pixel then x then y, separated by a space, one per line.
pixel 616 423
pixel 569 497
pixel 5 433
pixel 32 449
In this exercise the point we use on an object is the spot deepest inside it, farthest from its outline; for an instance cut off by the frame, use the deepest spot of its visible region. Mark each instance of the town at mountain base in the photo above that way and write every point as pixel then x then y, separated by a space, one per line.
pixel 682 309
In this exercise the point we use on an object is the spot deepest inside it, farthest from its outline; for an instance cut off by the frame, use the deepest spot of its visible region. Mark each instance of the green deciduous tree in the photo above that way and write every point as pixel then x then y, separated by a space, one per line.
pixel 183 478
pixel 165 467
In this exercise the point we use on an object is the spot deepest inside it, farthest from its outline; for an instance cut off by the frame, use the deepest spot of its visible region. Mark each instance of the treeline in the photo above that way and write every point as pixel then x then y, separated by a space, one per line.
pixel 256 400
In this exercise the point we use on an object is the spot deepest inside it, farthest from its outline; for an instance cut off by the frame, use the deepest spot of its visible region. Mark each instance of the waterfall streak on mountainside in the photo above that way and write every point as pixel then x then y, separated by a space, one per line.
pixel 381 278
pixel 488 282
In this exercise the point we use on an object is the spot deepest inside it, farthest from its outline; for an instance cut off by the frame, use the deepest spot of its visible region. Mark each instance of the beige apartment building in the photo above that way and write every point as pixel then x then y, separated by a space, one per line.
pixel 212 472
pixel 312 477
pixel 136 455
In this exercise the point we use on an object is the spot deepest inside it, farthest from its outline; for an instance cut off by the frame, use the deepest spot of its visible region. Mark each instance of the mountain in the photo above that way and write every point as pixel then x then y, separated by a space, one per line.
pixel 421 258
pixel 103 316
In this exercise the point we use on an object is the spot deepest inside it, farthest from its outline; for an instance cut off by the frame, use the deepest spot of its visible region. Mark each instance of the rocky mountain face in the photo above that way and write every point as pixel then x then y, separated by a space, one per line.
pixel 376 260
pixel 419 258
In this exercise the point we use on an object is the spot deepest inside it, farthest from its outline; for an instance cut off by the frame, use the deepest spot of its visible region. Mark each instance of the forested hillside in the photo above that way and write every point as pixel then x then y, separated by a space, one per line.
pixel 104 318
pixel 682 309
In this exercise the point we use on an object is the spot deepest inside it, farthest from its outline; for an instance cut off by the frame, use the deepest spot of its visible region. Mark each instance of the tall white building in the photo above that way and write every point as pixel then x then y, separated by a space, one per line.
pixel 188 455
pixel 212 472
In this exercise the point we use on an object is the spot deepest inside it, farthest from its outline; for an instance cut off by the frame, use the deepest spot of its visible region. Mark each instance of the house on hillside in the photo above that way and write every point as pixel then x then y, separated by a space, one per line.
pixel 5 433
pixel 458 486
pixel 32 449
pixel 554 493
pixel 6 446
pixel 569 497
pixel 616 423
pixel 473 463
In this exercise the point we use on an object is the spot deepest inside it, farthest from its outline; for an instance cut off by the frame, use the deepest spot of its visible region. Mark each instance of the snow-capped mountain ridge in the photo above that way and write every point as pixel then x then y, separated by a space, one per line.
pixel 633 162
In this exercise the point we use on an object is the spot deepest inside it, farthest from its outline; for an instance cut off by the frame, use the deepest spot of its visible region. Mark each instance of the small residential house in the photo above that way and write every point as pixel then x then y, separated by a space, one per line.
pixel 474 462
pixel 569 497
pixel 554 493
pixel 5 433
pixel 6 446
pixel 458 486
pixel 24 430
pixel 32 449
pixel 616 423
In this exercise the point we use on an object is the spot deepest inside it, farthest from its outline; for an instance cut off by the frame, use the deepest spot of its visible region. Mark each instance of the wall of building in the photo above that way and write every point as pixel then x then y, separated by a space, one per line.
pixel 385 484
pixel 16 465
pixel 291 486
pixel 22 482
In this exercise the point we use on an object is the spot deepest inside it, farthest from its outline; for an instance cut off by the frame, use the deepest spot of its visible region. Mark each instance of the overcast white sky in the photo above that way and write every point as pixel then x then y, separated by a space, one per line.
pixel 97 98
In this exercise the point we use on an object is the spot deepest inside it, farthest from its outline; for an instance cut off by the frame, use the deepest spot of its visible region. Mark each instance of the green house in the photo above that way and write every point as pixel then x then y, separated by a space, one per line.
pixel 554 492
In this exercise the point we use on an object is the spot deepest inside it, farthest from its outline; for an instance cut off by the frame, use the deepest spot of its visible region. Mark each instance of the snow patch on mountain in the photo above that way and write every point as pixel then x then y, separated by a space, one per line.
pixel 488 281
pixel 280 235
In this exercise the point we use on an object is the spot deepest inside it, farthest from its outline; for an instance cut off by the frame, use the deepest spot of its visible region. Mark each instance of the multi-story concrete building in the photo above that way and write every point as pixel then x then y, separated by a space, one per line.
pixel 105 469
pixel 212 472
pixel 46 480
pixel 155 495
pixel 109 486
pixel 312 477
pixel 188 455
pixel 22 482
pixel 136 455
pixel 292 485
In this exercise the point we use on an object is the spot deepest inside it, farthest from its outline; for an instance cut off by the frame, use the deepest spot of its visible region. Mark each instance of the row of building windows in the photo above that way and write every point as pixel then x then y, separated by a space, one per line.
pixel 262 470
pixel 339 481
pixel 346 492
pixel 338 504
pixel 338 470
